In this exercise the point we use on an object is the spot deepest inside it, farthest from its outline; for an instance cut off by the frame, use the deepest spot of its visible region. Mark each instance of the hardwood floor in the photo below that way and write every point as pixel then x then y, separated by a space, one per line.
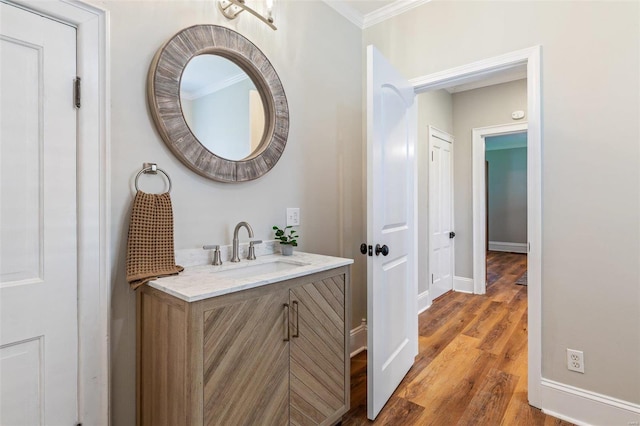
pixel 472 365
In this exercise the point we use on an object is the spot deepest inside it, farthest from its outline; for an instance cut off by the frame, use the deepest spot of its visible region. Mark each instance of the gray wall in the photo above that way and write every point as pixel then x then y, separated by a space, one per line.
pixel 434 109
pixel 320 170
pixel 487 106
pixel 507 195
pixel 591 188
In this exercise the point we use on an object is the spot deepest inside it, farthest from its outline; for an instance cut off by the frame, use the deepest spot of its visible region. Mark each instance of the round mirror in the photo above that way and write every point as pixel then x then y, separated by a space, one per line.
pixel 222 107
pixel 218 104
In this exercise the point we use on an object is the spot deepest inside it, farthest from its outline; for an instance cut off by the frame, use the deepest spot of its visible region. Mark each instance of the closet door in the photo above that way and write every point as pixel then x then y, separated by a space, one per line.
pixel 38 222
pixel 246 361
pixel 319 383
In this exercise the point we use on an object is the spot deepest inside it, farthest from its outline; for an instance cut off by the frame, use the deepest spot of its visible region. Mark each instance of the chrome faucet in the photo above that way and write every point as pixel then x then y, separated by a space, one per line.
pixel 235 257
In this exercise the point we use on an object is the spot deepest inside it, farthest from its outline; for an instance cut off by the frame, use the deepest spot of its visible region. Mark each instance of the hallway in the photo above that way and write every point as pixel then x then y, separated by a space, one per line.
pixel 472 365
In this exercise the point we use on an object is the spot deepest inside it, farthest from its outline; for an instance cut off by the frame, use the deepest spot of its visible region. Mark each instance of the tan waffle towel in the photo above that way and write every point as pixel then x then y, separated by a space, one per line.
pixel 150 252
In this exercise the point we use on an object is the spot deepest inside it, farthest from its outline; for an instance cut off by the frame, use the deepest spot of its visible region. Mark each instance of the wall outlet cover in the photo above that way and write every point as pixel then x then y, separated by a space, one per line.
pixel 575 360
pixel 293 216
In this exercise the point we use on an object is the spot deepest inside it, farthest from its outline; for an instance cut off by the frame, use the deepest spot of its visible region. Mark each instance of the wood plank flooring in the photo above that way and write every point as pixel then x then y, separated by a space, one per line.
pixel 472 365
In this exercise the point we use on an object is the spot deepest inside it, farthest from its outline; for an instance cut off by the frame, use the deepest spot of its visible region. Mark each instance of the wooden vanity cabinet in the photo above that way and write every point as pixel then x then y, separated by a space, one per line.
pixel 273 355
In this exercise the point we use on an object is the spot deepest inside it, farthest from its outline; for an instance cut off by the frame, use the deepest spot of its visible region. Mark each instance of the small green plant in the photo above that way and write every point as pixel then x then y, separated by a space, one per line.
pixel 287 235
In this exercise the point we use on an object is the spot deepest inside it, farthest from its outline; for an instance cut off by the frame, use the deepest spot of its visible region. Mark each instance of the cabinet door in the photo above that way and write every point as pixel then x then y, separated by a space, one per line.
pixel 246 361
pixel 318 383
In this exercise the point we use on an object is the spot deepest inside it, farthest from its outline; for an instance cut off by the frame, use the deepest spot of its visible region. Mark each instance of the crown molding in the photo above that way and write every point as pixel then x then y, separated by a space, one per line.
pixel 394 9
pixel 375 17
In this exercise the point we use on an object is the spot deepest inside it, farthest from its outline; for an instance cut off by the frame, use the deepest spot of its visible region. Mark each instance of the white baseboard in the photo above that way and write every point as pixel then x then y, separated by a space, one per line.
pixel 510 247
pixel 583 407
pixel 464 285
pixel 424 302
pixel 358 339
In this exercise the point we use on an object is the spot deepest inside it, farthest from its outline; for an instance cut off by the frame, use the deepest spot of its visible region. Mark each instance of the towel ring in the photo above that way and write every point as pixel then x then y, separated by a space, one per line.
pixel 152 168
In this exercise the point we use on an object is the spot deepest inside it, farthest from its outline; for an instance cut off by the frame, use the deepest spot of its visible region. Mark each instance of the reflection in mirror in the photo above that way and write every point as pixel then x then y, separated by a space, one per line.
pixel 222 107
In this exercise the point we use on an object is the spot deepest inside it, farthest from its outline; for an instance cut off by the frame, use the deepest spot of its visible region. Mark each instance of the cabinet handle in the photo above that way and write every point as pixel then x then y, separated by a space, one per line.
pixel 295 309
pixel 286 322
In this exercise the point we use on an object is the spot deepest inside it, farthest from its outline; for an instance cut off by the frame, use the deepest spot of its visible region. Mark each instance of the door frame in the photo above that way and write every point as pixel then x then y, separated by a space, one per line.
pixel 479 208
pixel 435 132
pixel 93 192
pixel 531 58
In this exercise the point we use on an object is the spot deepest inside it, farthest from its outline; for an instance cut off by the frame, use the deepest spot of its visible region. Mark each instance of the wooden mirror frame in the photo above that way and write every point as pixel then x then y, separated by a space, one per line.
pixel 163 93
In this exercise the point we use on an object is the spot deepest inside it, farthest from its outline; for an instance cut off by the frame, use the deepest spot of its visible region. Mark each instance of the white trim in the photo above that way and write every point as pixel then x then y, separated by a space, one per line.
pixel 92 25
pixel 478 169
pixel 475 71
pixel 463 285
pixel 358 339
pixel 508 247
pixel 389 11
pixel 424 301
pixel 583 407
pixel 530 57
pixel 375 17
pixel 534 223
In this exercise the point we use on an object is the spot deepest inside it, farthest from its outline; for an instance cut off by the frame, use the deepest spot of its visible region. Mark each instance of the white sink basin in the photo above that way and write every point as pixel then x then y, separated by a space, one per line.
pixel 249 270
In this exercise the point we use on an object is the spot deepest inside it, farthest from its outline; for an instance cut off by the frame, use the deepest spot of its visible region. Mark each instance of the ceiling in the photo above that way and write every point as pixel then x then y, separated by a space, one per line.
pixel 365 13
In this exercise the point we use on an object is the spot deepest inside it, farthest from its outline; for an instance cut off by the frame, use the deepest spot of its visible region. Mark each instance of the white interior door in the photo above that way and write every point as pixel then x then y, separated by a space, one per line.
pixel 38 255
pixel 441 255
pixel 392 290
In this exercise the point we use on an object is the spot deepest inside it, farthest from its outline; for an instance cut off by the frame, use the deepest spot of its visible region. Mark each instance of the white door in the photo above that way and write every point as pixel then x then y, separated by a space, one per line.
pixel 440 212
pixel 38 266
pixel 392 290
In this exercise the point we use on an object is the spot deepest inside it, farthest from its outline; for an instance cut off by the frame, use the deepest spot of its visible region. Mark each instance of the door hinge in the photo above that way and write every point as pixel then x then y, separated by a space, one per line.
pixel 431 155
pixel 431 278
pixel 76 92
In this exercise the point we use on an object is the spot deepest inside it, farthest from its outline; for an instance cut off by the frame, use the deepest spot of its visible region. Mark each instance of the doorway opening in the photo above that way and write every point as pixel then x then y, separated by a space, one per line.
pixel 505 204
pixel 498 140
pixel 527 60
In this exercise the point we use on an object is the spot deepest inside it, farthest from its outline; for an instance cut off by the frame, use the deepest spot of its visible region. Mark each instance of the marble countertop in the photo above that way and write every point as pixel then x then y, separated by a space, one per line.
pixel 205 281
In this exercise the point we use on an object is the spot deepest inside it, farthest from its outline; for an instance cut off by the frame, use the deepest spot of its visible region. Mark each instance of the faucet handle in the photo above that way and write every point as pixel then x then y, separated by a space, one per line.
pixel 216 253
pixel 252 249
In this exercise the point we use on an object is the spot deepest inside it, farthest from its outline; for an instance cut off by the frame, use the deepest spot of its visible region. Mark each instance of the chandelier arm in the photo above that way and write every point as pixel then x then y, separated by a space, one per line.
pixel 243 6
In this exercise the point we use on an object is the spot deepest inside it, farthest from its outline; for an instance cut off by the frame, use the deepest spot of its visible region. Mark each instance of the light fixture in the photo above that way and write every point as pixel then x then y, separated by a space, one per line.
pixel 232 8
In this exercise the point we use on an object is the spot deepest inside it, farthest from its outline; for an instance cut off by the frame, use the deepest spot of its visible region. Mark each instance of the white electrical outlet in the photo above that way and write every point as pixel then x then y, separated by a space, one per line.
pixel 293 216
pixel 575 360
